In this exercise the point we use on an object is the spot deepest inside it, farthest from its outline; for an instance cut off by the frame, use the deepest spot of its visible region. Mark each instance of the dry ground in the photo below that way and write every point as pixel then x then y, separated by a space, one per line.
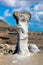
pixel 35 59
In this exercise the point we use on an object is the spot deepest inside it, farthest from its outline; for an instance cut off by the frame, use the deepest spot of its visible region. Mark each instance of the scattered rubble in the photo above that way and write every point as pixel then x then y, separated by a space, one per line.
pixel 8 38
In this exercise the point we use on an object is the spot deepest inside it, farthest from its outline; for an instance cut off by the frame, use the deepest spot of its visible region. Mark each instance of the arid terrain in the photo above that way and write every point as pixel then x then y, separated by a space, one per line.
pixel 8 41
pixel 35 59
pixel 37 38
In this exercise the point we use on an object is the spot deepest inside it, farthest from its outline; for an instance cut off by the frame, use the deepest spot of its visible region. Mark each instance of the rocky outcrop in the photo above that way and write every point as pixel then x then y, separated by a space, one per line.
pixel 22 19
pixel 8 37
pixel 23 16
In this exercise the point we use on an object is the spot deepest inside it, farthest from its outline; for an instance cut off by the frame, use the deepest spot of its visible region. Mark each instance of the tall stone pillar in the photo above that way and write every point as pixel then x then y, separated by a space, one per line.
pixel 22 19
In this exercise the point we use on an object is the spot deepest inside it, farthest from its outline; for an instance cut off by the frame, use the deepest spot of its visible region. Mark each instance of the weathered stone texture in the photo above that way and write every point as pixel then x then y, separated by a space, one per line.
pixel 8 36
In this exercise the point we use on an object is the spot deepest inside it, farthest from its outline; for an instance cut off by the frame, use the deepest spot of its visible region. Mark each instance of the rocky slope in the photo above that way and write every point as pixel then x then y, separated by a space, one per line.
pixel 8 37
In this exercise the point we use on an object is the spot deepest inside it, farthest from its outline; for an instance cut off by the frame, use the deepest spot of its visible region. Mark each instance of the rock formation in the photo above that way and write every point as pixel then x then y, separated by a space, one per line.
pixel 22 19
pixel 22 25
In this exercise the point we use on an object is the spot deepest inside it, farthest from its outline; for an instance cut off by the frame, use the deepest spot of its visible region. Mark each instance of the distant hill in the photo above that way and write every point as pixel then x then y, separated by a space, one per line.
pixel 3 24
pixel 36 38
pixel 8 35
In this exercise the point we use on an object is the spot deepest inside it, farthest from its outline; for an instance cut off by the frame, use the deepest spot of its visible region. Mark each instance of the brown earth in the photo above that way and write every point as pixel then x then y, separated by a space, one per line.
pixel 36 38
pixel 35 59
pixel 9 36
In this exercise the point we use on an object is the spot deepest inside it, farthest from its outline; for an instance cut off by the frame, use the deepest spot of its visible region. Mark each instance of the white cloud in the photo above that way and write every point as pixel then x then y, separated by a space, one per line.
pixel 23 3
pixel 6 13
pixel 20 3
pixel 40 12
pixel 2 18
pixel 14 3
pixel 17 9
pixel 37 12
pixel 21 9
pixel 27 8
pixel 38 7
pixel 10 2
pixel 39 16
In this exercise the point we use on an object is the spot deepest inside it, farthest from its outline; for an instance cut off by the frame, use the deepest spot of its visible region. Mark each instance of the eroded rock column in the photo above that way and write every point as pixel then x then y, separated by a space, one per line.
pixel 22 20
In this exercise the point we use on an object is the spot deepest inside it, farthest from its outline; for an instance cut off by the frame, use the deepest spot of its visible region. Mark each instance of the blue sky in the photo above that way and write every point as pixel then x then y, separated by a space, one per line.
pixel 35 7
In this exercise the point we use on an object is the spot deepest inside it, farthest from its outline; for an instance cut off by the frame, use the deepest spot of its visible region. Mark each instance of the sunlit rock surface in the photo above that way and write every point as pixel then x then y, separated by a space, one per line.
pixel 22 19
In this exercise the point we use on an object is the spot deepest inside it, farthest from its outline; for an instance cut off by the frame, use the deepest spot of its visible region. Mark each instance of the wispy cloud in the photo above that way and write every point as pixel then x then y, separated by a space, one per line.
pixel 2 18
pixel 37 12
pixel 37 17
pixel 20 3
pixel 10 3
pixel 14 3
pixel 7 13
pixel 38 7
pixel 21 9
